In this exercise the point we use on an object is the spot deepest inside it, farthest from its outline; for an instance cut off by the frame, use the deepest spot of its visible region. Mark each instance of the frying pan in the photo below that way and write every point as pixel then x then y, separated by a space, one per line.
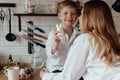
pixel 10 36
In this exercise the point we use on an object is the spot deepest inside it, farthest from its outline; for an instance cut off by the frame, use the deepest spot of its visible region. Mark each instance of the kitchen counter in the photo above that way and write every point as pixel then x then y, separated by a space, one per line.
pixel 35 75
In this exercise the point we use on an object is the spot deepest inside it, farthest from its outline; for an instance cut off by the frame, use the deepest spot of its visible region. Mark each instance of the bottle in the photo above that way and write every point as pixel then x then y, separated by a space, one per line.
pixel 10 61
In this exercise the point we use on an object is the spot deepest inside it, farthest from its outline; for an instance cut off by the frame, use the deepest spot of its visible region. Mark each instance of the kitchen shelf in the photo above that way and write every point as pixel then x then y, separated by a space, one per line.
pixel 26 14
pixel 7 5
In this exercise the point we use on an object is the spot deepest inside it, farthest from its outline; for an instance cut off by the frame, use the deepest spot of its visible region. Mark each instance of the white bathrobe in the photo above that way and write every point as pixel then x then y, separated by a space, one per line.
pixel 81 61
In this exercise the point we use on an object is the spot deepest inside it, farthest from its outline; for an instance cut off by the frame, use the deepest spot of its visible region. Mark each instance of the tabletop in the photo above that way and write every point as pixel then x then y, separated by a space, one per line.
pixel 35 75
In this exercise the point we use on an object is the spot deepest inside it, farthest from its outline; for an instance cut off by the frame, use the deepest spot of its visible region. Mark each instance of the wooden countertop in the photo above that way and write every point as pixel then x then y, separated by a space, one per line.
pixel 35 75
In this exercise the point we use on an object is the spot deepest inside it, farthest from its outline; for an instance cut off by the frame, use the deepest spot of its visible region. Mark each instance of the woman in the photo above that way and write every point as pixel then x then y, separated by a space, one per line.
pixel 95 54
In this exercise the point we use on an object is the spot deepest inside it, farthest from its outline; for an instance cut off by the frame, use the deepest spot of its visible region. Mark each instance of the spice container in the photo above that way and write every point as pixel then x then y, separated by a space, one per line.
pixel 10 61
pixel 30 6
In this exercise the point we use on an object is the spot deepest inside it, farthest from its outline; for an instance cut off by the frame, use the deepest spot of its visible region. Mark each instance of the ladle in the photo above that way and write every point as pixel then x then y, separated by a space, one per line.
pixel 10 36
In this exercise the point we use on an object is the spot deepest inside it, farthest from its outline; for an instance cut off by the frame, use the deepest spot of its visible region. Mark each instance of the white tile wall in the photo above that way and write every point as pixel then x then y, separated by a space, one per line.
pixel 18 48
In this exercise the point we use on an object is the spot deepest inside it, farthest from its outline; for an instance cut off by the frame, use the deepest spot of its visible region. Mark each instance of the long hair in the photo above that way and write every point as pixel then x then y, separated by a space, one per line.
pixel 98 21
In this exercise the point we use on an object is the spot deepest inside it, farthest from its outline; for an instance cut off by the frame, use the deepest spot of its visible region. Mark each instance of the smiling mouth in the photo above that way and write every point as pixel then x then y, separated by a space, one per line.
pixel 69 20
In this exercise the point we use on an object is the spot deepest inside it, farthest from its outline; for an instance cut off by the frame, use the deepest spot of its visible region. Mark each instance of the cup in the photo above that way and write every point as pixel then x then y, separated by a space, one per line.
pixel 12 73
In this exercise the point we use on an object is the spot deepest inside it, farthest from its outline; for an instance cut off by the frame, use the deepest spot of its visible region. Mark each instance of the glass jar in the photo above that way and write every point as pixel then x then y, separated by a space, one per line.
pixel 30 4
pixel 37 59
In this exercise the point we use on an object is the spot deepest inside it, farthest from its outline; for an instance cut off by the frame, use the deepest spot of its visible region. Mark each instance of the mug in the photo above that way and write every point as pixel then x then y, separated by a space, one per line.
pixel 12 73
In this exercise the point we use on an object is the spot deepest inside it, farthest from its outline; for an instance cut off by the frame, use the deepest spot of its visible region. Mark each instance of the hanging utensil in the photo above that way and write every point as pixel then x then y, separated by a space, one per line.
pixel 31 38
pixel 116 6
pixel 38 35
pixel 34 41
pixel 35 27
pixel 10 36
pixel 2 16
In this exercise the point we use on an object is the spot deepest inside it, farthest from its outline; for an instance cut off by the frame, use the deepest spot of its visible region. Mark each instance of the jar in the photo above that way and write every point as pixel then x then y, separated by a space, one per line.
pixel 37 59
pixel 31 9
pixel 30 6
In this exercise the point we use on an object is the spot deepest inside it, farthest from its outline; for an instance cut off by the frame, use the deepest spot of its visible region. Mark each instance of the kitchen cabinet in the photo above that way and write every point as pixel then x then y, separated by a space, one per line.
pixel 25 14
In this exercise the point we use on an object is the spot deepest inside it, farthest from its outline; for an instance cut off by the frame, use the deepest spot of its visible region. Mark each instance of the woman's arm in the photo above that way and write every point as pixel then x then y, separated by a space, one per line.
pixel 74 66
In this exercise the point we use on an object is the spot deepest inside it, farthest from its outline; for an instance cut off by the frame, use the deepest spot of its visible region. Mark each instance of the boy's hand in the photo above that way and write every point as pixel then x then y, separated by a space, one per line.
pixel 56 42
pixel 42 72
pixel 56 36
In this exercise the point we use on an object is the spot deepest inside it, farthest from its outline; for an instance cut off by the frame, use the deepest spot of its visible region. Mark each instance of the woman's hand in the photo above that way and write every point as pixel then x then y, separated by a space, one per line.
pixel 42 72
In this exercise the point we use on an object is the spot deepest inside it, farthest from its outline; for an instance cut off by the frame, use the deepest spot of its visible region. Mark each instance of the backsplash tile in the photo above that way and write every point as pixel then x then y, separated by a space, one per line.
pixel 19 47
pixel 26 59
pixel 3 59
pixel 4 51
pixel 16 50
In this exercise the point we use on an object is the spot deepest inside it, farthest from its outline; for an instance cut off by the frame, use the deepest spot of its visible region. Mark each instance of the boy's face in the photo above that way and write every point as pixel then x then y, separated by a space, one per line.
pixel 68 16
